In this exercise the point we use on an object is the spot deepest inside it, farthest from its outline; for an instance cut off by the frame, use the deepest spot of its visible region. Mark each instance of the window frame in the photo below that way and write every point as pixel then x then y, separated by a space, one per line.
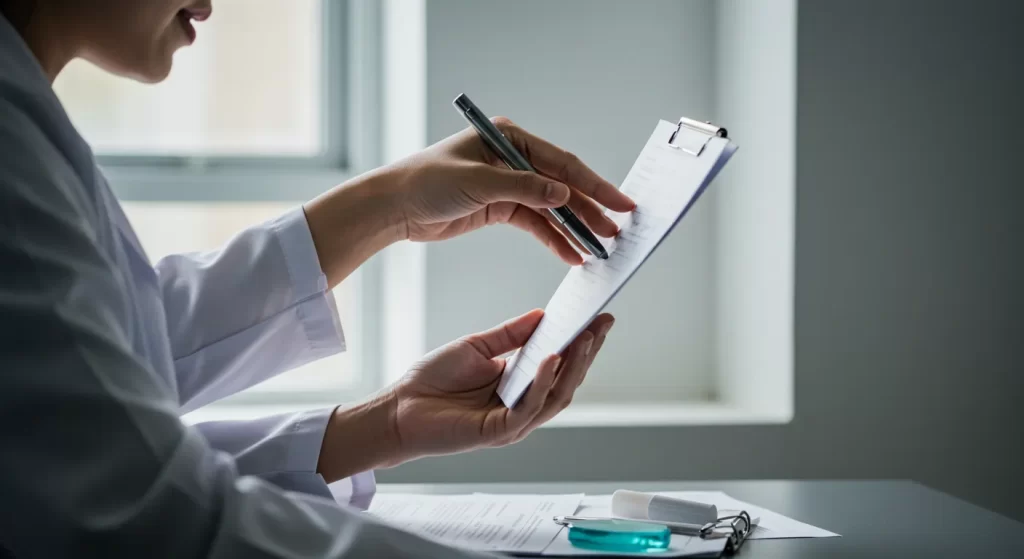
pixel 333 106
pixel 352 35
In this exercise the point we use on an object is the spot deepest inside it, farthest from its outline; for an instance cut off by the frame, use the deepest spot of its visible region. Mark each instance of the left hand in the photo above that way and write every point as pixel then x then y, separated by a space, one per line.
pixel 447 403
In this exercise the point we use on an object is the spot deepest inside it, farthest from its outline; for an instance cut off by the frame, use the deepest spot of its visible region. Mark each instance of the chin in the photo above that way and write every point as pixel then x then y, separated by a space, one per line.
pixel 154 73
pixel 148 69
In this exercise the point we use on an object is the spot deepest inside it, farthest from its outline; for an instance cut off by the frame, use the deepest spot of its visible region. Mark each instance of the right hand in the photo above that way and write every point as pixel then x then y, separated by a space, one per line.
pixel 456 186
pixel 459 185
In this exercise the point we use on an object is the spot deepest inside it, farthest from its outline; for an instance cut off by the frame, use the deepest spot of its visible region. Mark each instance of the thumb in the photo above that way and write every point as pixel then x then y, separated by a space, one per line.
pixel 507 336
pixel 524 187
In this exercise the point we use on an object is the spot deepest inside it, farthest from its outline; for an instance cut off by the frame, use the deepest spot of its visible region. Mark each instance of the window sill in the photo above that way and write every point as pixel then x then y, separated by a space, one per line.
pixel 655 414
pixel 579 415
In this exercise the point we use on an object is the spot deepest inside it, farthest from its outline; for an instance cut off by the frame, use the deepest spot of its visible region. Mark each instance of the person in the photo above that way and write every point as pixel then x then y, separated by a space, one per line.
pixel 101 351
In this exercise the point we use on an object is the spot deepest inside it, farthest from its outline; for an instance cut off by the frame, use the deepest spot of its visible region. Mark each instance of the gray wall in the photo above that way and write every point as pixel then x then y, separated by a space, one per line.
pixel 595 80
pixel 909 256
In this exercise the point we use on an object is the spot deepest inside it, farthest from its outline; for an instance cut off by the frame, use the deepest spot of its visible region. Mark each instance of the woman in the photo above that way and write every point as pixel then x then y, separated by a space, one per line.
pixel 101 352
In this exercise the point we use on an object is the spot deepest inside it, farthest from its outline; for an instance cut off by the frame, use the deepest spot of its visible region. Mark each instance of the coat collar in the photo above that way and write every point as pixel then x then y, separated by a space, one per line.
pixel 25 87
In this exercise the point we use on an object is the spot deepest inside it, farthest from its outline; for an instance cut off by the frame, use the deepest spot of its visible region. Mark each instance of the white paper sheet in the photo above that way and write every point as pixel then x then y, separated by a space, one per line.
pixel 771 525
pixel 521 524
pixel 664 182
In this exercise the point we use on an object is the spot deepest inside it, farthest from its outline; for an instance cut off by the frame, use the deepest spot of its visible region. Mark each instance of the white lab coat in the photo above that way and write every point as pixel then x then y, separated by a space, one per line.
pixel 100 353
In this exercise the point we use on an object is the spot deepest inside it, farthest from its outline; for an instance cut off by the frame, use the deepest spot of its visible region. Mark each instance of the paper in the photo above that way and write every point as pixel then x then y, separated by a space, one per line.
pixel 664 182
pixel 520 524
pixel 524 525
pixel 771 525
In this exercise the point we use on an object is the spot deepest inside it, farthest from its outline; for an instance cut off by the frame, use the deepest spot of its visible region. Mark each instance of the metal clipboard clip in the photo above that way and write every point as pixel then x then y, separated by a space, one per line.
pixel 736 528
pixel 691 135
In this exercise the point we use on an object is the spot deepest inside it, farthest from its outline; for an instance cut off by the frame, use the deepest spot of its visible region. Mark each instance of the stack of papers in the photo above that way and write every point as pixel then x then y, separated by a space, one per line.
pixel 524 524
pixel 521 524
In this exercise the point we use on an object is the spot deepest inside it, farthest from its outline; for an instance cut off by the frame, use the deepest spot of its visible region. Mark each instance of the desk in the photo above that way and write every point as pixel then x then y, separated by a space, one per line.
pixel 877 519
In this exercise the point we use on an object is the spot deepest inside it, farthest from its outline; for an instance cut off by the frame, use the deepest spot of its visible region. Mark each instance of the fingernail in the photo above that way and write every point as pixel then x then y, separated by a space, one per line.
pixel 558 361
pixel 607 328
pixel 553 192
pixel 587 345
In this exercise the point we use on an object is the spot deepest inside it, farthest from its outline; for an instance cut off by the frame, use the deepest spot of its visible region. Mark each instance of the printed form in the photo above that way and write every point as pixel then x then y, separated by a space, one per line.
pixel 664 182
pixel 519 524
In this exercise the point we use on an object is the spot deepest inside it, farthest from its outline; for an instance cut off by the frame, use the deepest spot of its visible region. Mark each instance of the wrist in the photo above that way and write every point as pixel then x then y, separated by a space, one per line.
pixel 352 222
pixel 359 438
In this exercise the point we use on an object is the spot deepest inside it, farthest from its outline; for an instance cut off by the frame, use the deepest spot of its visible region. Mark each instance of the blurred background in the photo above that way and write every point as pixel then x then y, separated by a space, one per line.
pixel 845 302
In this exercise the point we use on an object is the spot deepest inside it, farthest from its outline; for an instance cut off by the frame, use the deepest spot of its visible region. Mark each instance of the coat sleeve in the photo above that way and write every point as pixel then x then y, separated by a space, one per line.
pixel 247 312
pixel 284 449
pixel 242 314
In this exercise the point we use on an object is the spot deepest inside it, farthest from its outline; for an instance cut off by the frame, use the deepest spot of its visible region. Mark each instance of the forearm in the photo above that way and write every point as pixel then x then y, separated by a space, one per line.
pixel 352 222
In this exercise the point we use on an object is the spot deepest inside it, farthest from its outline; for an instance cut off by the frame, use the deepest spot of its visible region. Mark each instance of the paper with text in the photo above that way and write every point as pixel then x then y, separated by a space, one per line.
pixel 507 523
pixel 664 182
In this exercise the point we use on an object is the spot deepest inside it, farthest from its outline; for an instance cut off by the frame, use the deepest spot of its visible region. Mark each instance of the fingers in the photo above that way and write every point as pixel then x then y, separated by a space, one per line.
pixel 555 162
pixel 571 374
pixel 578 358
pixel 523 187
pixel 593 215
pixel 507 336
pixel 564 231
pixel 531 404
pixel 600 326
pixel 546 232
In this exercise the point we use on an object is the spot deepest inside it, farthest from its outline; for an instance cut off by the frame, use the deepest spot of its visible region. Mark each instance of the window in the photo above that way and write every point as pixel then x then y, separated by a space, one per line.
pixel 706 328
pixel 251 121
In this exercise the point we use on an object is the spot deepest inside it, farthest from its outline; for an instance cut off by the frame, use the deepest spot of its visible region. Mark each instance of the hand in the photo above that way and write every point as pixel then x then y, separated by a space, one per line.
pixel 448 403
pixel 458 185
pixel 454 187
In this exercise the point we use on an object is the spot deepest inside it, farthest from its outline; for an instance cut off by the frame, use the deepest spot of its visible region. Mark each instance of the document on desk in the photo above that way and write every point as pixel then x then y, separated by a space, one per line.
pixel 772 526
pixel 520 524
pixel 664 182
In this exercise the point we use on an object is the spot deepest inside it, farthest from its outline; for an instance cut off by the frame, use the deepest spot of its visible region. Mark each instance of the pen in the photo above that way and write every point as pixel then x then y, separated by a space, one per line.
pixel 504 149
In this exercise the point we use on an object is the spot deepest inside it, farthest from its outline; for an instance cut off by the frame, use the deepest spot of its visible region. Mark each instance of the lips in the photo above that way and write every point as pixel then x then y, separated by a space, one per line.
pixel 187 15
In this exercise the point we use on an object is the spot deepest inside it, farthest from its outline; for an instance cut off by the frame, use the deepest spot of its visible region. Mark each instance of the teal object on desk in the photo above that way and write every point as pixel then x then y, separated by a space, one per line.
pixel 619 535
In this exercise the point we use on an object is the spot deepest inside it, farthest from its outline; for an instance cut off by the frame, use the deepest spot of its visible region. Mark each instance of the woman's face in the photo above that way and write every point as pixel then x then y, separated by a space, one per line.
pixel 133 38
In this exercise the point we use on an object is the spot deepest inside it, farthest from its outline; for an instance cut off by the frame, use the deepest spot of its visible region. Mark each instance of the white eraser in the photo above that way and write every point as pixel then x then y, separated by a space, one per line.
pixel 648 506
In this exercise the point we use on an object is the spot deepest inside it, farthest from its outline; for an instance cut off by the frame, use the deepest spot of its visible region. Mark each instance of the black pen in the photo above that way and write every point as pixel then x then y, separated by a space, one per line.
pixel 504 149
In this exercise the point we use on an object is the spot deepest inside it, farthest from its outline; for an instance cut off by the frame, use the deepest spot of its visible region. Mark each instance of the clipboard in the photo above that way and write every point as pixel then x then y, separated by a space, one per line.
pixel 679 161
